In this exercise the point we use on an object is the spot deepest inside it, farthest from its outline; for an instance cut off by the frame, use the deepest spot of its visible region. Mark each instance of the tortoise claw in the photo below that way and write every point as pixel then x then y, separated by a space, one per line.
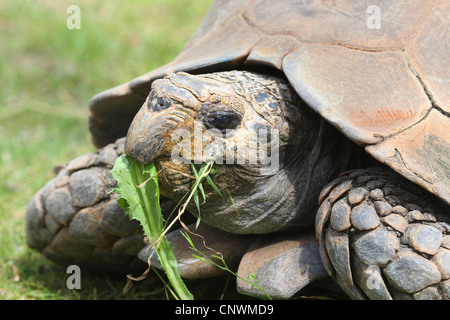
pixel 338 250
pixel 370 280
pixel 74 219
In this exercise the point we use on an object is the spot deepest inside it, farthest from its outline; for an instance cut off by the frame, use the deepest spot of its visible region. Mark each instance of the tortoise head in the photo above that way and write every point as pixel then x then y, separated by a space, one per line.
pixel 265 144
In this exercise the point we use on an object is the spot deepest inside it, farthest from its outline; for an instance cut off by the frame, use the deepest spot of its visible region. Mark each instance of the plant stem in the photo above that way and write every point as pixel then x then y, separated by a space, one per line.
pixel 162 247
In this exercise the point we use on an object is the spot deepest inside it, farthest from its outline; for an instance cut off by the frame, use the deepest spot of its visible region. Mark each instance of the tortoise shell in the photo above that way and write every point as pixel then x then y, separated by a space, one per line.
pixel 377 70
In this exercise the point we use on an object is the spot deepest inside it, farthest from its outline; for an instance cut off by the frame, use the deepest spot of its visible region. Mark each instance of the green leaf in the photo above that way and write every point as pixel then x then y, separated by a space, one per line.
pixel 213 185
pixel 198 178
pixel 139 197
pixel 200 258
pixel 197 204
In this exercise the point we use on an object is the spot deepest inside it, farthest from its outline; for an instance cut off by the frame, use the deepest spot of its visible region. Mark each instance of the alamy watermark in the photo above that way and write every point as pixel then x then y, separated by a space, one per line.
pixel 73 21
pixel 374 19
pixel 374 279
pixel 74 280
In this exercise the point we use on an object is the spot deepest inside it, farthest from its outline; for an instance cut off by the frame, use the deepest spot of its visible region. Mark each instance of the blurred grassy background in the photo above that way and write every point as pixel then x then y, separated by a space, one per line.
pixel 48 73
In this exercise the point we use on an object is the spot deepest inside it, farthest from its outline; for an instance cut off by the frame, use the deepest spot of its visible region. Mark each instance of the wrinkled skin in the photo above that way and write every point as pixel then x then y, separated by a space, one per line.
pixel 228 108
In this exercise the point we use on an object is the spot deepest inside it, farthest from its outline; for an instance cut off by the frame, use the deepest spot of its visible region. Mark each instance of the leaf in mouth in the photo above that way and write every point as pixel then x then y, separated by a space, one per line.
pixel 139 197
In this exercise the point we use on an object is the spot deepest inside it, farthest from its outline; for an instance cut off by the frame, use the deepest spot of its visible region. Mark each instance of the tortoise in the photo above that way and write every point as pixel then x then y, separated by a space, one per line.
pixel 356 100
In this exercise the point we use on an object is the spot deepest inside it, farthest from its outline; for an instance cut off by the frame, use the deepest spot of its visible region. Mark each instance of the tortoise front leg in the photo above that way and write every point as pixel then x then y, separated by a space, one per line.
pixel 382 237
pixel 75 219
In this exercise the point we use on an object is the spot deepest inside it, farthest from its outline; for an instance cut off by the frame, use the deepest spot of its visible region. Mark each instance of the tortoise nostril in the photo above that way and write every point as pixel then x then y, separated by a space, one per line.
pixel 159 107
pixel 156 103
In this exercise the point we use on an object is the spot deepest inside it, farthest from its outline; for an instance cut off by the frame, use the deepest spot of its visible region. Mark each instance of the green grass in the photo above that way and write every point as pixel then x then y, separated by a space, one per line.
pixel 48 74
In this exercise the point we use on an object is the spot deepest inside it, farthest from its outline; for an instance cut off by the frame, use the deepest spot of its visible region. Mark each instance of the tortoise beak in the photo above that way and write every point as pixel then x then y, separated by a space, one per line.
pixel 149 134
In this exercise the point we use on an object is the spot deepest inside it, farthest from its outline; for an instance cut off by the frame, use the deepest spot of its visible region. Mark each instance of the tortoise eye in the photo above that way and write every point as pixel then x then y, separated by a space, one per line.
pixel 222 120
